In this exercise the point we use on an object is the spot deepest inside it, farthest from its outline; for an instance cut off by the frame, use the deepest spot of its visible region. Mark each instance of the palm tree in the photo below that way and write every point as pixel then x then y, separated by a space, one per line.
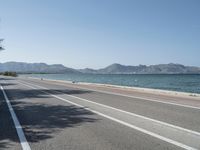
pixel 1 48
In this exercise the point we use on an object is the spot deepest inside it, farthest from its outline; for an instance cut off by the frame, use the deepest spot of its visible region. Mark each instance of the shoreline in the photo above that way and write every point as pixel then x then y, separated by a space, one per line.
pixel 138 89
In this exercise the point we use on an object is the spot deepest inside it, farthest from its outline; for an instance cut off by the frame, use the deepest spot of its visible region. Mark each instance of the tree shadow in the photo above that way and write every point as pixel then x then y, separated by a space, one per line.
pixel 6 78
pixel 7 84
pixel 46 120
pixel 4 145
pixel 41 93
pixel 40 121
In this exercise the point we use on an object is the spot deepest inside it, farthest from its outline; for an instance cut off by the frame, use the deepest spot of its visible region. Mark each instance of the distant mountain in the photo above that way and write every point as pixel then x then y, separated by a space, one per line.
pixel 22 67
pixel 121 69
pixel 88 70
pixel 143 69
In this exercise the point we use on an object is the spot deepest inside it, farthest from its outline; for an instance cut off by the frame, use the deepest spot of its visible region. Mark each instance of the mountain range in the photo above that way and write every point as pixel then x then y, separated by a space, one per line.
pixel 22 67
pixel 171 68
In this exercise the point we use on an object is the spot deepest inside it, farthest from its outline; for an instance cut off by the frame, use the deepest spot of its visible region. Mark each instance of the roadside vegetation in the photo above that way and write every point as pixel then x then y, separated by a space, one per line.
pixel 9 73
pixel 1 47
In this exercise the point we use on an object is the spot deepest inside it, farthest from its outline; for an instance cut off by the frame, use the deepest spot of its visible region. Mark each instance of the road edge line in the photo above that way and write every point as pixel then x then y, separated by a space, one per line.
pixel 23 141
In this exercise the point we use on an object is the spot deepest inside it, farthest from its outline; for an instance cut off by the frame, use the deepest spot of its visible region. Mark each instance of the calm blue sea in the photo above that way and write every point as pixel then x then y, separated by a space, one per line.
pixel 184 83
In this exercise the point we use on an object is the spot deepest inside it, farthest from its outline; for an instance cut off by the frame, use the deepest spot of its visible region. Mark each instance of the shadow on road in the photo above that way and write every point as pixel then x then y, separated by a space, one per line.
pixel 7 84
pixel 41 120
pixel 36 93
pixel 6 78
pixel 46 120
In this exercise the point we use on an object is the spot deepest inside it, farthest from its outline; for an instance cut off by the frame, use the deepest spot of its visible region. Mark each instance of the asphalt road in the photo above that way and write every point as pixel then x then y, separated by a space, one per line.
pixel 51 115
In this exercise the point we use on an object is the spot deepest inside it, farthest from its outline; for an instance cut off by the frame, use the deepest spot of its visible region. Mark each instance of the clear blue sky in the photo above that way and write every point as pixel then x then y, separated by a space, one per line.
pixel 96 33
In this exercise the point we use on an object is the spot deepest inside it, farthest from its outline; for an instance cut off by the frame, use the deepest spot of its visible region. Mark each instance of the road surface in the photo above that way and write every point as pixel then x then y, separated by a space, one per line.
pixel 40 115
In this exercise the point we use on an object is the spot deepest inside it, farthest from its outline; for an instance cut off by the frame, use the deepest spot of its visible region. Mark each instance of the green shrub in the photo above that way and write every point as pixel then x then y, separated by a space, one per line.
pixel 8 73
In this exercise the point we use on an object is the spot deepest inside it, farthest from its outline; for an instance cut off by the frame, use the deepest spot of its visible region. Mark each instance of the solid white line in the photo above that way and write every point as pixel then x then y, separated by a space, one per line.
pixel 120 121
pixel 147 99
pixel 142 98
pixel 123 111
pixel 20 133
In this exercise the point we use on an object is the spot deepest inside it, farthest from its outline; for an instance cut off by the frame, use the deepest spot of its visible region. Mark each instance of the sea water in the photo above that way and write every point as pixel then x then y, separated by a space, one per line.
pixel 183 83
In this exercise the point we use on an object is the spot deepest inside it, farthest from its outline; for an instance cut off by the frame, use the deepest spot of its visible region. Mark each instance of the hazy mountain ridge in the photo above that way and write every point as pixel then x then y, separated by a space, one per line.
pixel 22 67
pixel 143 69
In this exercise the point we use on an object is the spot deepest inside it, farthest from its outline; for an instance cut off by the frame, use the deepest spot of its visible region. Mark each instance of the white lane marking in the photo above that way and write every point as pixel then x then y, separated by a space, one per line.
pixel 123 111
pixel 142 98
pixel 120 121
pixel 20 133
